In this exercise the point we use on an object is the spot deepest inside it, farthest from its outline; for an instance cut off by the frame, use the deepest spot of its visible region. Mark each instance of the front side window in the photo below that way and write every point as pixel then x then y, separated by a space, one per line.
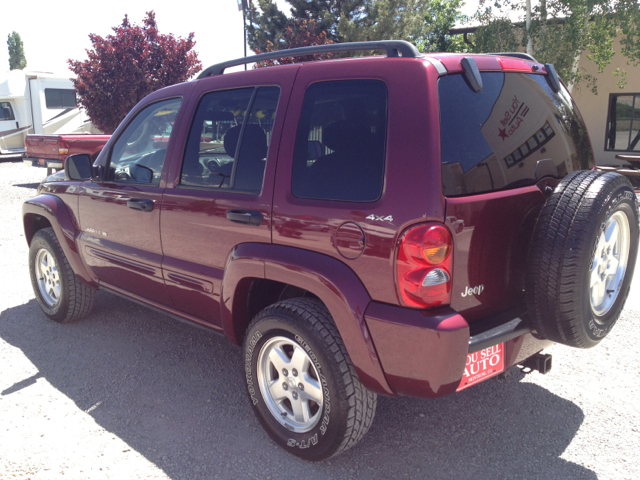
pixel 339 152
pixel 6 112
pixel 623 123
pixel 139 153
pixel 60 98
pixel 227 148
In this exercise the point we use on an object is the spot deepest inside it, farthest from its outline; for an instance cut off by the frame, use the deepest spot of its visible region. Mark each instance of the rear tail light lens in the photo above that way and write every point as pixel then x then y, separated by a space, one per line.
pixel 63 148
pixel 424 266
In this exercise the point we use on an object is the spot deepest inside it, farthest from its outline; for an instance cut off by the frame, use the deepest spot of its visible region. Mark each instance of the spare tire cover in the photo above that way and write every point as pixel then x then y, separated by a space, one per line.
pixel 581 258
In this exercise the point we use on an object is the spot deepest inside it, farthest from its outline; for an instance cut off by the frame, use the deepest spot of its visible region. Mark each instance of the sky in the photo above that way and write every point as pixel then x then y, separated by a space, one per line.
pixel 53 32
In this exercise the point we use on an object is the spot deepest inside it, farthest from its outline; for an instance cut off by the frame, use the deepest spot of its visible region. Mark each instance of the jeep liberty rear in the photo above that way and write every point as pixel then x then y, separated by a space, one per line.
pixel 402 225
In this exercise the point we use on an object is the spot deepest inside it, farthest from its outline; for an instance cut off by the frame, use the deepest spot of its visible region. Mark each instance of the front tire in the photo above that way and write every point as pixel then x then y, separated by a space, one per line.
pixel 301 382
pixel 60 294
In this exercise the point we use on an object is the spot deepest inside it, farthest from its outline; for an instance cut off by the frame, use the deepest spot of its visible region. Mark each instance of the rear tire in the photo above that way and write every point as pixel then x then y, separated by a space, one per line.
pixel 582 257
pixel 293 344
pixel 61 295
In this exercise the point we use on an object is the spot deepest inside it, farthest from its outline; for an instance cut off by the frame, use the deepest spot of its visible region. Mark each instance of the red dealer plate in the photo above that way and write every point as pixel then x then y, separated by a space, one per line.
pixel 481 365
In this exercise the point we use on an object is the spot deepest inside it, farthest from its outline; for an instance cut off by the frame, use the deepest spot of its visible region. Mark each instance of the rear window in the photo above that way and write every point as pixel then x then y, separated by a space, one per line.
pixel 512 133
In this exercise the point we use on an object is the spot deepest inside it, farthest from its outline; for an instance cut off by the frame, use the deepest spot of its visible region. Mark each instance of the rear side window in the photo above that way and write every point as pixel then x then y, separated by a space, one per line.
pixel 60 97
pixel 513 132
pixel 340 143
pixel 212 158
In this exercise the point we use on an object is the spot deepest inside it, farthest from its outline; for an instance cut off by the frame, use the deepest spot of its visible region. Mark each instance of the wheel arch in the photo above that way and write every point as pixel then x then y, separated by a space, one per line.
pixel 278 268
pixel 46 211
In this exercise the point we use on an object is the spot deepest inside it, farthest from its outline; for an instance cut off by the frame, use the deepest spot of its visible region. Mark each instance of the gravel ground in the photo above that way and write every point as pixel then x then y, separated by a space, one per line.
pixel 129 393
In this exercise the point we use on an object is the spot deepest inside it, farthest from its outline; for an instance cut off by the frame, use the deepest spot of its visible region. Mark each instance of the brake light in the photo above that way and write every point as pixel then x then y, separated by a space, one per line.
pixel 514 64
pixel 423 266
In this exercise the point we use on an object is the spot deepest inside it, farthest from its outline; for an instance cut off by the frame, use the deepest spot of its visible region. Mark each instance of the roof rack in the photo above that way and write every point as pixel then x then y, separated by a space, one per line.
pixel 524 56
pixel 394 48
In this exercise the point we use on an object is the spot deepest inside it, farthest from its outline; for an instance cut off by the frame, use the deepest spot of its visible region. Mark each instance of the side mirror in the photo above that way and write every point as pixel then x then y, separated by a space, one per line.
pixel 78 167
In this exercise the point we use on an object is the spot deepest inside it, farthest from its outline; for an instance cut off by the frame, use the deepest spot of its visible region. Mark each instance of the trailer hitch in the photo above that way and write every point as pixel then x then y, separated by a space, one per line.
pixel 540 362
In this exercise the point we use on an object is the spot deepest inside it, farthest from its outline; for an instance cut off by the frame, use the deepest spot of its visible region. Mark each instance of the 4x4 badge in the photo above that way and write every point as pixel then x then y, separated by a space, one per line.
pixel 473 291
pixel 380 218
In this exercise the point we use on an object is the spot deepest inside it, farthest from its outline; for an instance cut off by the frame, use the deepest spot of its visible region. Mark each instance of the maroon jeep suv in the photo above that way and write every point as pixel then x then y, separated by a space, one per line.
pixel 405 224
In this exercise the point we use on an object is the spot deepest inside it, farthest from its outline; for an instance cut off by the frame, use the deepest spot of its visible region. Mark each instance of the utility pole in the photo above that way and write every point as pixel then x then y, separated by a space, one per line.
pixel 528 27
pixel 244 5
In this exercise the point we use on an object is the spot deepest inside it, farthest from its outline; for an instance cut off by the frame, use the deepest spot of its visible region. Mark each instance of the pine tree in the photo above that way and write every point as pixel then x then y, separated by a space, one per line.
pixel 267 25
pixel 17 59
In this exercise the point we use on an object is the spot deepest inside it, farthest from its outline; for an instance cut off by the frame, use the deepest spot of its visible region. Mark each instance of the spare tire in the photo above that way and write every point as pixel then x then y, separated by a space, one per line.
pixel 581 258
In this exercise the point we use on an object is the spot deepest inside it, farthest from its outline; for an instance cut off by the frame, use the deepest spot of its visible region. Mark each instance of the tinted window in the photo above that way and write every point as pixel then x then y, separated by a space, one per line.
pixel 6 112
pixel 60 98
pixel 515 131
pixel 139 152
pixel 212 157
pixel 623 123
pixel 339 152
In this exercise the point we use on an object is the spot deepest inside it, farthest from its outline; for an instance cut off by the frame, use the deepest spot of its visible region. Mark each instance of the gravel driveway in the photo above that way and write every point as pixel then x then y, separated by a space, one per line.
pixel 129 393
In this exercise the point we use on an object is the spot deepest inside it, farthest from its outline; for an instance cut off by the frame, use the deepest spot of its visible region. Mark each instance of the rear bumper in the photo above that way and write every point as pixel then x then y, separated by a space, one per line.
pixel 423 354
pixel 12 151
pixel 44 162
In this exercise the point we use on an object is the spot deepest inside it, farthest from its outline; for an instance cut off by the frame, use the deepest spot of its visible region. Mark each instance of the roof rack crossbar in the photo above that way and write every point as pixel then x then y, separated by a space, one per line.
pixel 394 48
pixel 524 56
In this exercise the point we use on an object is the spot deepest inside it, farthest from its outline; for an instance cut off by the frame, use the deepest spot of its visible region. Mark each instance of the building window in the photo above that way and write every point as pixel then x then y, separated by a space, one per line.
pixel 623 123
pixel 60 98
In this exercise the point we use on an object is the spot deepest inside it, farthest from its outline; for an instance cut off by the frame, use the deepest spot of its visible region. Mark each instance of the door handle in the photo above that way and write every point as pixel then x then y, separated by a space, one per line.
pixel 250 217
pixel 142 204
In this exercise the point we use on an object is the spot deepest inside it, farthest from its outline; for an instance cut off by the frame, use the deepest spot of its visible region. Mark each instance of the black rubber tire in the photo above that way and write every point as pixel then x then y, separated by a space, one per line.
pixel 76 298
pixel 348 408
pixel 562 252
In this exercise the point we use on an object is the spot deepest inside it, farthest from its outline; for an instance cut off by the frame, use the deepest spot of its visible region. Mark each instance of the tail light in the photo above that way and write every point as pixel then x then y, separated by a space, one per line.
pixel 63 148
pixel 423 266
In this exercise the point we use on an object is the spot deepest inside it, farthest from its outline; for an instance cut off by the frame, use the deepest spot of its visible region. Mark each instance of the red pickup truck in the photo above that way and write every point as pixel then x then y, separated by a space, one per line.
pixel 50 151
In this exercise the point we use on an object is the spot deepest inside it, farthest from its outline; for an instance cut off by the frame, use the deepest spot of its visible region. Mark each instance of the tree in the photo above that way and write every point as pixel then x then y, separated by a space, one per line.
pixel 385 20
pixel 267 25
pixel 559 31
pixel 17 60
pixel 440 16
pixel 299 33
pixel 341 20
pixel 125 67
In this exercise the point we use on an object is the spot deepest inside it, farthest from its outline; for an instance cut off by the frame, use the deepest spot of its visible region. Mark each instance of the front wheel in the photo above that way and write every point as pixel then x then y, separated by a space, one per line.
pixel 301 382
pixel 62 297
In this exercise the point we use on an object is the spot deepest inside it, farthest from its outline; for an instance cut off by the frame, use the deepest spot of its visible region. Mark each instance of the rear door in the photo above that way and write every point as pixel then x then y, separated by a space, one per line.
pixel 221 187
pixel 120 215
pixel 497 144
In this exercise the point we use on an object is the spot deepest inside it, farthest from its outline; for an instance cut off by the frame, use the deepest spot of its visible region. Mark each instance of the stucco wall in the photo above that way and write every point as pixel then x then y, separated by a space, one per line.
pixel 594 107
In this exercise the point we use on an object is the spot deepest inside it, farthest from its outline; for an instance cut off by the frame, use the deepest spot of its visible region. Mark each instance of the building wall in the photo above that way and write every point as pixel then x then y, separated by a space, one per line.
pixel 594 107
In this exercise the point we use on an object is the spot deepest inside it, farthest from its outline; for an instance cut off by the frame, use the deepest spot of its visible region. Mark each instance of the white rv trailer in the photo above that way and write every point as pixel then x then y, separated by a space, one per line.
pixel 40 103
